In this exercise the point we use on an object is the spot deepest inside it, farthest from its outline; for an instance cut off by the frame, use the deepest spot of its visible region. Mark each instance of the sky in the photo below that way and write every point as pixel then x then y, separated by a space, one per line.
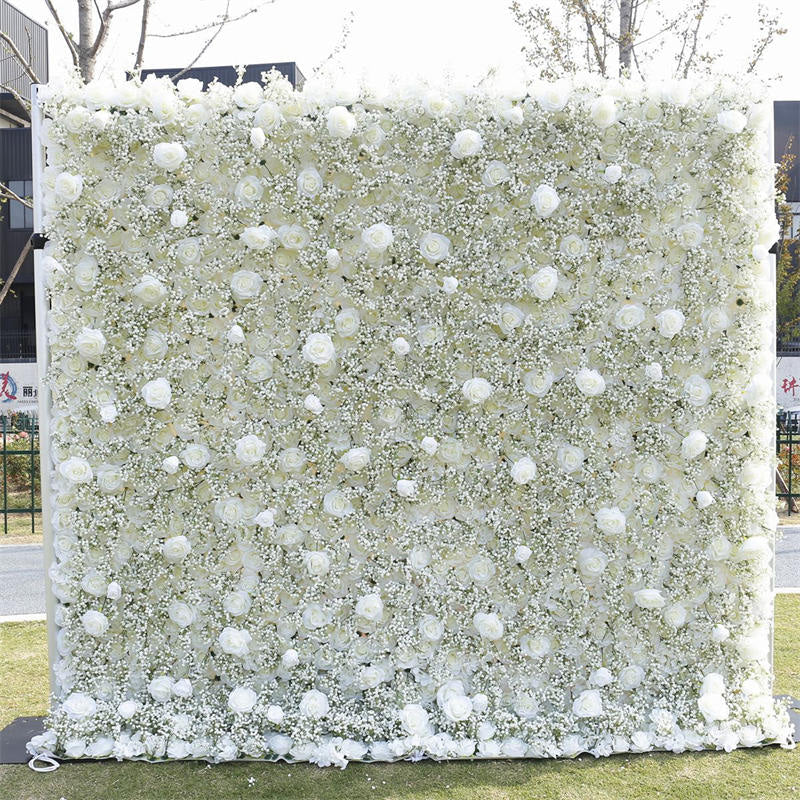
pixel 437 39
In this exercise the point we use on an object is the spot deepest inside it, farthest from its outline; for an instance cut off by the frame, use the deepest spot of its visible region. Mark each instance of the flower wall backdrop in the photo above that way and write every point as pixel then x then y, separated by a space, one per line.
pixel 436 424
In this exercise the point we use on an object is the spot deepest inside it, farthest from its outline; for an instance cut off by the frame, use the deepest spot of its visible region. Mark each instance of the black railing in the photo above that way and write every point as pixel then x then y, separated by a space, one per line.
pixel 19 474
pixel 17 345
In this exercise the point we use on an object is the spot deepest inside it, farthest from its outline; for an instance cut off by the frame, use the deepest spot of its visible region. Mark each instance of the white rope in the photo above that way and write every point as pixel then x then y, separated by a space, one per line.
pixel 48 758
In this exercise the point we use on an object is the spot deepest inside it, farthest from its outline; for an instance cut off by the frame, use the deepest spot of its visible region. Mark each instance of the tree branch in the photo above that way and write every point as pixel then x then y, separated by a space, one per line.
pixel 209 25
pixel 8 194
pixel 223 22
pixel 23 62
pixel 142 36
pixel 67 38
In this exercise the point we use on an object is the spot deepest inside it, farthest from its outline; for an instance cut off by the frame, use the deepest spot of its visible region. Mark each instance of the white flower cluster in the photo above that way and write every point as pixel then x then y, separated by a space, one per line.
pixel 426 425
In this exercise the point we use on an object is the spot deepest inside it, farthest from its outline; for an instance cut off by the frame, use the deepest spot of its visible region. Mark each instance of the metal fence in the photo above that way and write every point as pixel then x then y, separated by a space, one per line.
pixel 19 474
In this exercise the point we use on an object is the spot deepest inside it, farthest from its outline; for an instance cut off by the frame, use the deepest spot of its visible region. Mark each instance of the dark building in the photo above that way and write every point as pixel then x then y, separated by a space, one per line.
pixel 17 316
pixel 17 326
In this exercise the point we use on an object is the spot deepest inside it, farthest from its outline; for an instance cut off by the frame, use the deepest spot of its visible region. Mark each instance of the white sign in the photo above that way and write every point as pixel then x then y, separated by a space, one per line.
pixel 787 382
pixel 19 388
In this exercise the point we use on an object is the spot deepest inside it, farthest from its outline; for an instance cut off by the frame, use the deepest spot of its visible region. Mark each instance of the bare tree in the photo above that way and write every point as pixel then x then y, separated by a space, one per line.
pixel 569 35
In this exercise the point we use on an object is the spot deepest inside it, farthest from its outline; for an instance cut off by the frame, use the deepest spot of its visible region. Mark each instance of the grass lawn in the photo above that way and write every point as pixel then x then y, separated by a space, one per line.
pixel 760 774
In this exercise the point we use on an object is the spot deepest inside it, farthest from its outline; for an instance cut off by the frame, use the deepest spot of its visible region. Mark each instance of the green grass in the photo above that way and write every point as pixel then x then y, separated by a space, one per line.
pixel 759 774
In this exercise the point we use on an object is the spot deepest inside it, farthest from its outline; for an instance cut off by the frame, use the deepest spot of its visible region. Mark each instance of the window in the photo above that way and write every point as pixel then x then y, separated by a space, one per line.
pixel 20 216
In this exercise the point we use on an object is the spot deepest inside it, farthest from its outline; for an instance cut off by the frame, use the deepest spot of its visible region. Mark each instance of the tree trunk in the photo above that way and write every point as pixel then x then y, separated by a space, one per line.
pixel 85 40
pixel 625 36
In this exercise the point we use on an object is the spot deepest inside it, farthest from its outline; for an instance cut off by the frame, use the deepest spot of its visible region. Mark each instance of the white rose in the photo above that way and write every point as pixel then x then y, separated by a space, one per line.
pixel 587 704
pixel 317 562
pixel 654 372
pixel 603 111
pixel 258 237
pixel 690 235
pixel 466 143
pixel 511 317
pixel 631 677
pixel 250 449
pixel 108 412
pixel 160 688
pixel 758 390
pixel 182 614
pixel 693 444
pixel 245 284
pixel 449 284
pixel 523 470
pixel 543 283
pixel 553 96
pixel 457 707
pixel 179 218
pixel 590 382
pixel 91 344
pixel 332 258
pixel 545 200
pixel 275 714
pixel 309 182
pixel 157 393
pixel 341 123
pixel 434 247
pixel 374 136
pixel 235 334
pixel 538 383
pixel 149 291
pixel 569 457
pixel 610 520
pixel 573 246
pixel 229 509
pixel 496 172
pixel 601 677
pixel 268 116
pixel 476 390
pixel 188 251
pixel 377 237
pixel 713 707
pixel 370 606
pixel 313 404
pixel 592 562
pixel 649 598
pixel 169 155
pixel 612 173
pixel 159 195
pixel 431 628
pixel 414 719
pixel 114 591
pixel 257 138
pixel 79 706
pixel 319 349
pixel 697 390
pixel 406 488
pixel 731 120
pixel 237 603
pixel 195 456
pixel 171 464
pixel 481 569
pixel 128 708
pixel 704 499
pixel 314 704
pixel 401 347
pixel 670 322
pixel 249 190
pixel 176 548
pixel 489 626
pixel 242 700
pixel 68 187
pixel 675 615
pixel 628 316
pixel 429 445
pixel 76 470
pixel 347 322
pixel 337 504
pixel 86 273
pixel 95 623
pixel 290 658
pixel 234 641
pixel 522 553
pixel 248 94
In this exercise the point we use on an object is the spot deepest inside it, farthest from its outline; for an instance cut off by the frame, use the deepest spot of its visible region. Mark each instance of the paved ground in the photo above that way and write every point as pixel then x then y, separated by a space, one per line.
pixel 22 573
pixel 21 579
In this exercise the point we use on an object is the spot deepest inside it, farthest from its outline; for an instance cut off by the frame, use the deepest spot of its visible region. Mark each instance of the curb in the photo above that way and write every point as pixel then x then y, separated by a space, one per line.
pixel 23 618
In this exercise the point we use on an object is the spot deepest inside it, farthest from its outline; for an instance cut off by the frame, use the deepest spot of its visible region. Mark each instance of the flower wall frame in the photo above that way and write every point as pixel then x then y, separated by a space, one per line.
pixel 436 424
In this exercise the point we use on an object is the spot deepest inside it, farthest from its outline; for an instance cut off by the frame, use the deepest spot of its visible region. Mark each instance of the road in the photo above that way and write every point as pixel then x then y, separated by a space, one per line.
pixel 22 573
